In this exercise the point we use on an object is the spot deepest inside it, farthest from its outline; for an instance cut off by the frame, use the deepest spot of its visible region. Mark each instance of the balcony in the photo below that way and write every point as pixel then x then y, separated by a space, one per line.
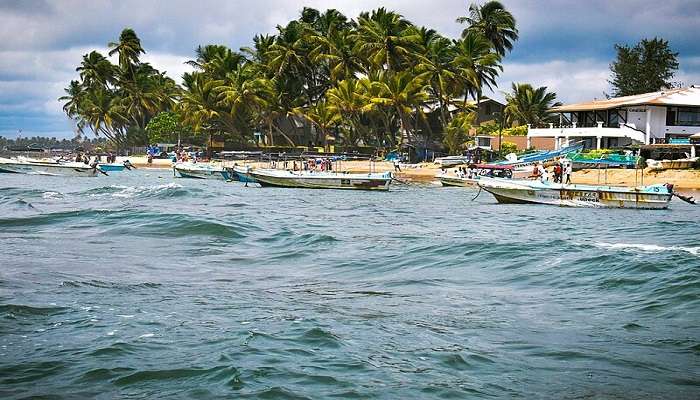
pixel 599 132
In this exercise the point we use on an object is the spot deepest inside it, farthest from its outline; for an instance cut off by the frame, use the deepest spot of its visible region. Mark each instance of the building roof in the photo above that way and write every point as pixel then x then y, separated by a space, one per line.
pixel 689 96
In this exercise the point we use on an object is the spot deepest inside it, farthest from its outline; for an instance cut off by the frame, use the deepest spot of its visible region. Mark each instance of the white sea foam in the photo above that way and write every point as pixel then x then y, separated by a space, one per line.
pixel 125 316
pixel 648 248
pixel 147 335
pixel 52 195
pixel 131 191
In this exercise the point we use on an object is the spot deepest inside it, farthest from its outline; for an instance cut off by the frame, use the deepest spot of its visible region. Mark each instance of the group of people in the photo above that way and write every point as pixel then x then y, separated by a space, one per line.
pixel 85 158
pixel 561 173
pixel 471 172
pixel 312 164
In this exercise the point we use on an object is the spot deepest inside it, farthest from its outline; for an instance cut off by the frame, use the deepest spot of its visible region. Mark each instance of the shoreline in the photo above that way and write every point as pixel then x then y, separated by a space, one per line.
pixel 686 179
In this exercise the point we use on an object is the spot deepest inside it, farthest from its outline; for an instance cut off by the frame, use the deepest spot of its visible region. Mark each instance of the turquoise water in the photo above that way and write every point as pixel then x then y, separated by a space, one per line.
pixel 140 285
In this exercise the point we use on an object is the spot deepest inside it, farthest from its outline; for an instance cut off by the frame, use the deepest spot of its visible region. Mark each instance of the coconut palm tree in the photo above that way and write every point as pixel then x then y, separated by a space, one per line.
pixel 347 97
pixel 383 38
pixel 493 21
pixel 436 63
pixel 95 69
pixel 402 92
pixel 129 50
pixel 527 105
pixel 324 116
pixel 477 64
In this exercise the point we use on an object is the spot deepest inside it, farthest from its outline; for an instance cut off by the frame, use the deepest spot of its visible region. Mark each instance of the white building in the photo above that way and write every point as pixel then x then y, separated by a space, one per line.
pixel 643 119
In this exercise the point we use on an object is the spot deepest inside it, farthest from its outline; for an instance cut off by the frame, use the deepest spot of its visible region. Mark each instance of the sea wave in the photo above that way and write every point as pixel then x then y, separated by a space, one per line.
pixel 166 190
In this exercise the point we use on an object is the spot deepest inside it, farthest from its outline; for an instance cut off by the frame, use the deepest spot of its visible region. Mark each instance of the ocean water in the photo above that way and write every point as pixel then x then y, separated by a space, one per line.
pixel 140 285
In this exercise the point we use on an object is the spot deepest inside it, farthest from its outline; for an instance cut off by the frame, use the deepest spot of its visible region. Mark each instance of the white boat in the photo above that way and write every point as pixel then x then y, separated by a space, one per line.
pixel 536 192
pixel 47 168
pixel 483 170
pixel 684 163
pixel 201 171
pixel 451 161
pixel 316 180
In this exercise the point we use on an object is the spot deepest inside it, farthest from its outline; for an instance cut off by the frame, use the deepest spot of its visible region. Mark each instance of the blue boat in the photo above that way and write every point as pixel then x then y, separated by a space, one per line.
pixel 111 167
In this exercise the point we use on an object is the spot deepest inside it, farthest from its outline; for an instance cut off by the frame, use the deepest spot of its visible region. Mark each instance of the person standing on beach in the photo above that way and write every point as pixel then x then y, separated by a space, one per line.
pixel 397 167
pixel 568 168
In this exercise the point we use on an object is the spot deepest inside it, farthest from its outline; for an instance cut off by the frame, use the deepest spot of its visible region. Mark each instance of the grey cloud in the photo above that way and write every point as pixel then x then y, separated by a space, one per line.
pixel 565 44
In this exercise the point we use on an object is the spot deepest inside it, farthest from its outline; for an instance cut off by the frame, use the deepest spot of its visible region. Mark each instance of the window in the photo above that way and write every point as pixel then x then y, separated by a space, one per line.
pixel 688 116
pixel 670 116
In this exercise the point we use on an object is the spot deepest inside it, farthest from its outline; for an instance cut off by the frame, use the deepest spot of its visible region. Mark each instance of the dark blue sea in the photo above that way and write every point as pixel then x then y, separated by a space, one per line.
pixel 140 285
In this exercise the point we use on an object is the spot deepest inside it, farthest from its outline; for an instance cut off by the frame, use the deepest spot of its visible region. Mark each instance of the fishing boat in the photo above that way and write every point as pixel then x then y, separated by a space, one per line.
pixel 201 171
pixel 316 180
pixel 48 168
pixel 597 196
pixel 660 165
pixel 483 170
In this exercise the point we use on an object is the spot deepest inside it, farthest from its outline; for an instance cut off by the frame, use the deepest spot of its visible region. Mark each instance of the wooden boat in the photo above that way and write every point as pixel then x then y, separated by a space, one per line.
pixel 202 171
pixel 316 180
pixel 659 165
pixel 536 192
pixel 48 168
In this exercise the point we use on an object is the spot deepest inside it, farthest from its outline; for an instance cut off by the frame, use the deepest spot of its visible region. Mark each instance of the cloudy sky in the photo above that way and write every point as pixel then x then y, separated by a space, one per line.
pixel 565 45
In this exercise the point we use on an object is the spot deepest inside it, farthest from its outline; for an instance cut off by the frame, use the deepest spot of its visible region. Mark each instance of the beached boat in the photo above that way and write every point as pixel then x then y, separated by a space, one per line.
pixel 316 180
pixel 659 165
pixel 48 168
pixel 536 192
pixel 202 171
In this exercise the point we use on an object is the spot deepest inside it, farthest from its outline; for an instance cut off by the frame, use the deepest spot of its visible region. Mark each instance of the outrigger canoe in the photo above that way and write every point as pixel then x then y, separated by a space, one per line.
pixel 536 192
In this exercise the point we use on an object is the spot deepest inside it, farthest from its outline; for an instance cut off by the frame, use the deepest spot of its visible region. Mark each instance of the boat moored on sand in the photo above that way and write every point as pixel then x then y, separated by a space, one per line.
pixel 596 196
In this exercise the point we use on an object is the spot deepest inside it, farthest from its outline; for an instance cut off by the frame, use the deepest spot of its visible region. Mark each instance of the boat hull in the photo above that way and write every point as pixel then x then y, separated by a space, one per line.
pixel 48 169
pixel 203 173
pixel 456 181
pixel 111 167
pixel 289 179
pixel 651 197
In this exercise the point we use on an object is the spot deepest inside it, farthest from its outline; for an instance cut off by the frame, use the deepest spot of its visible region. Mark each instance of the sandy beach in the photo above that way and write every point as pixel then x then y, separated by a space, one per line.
pixel 688 179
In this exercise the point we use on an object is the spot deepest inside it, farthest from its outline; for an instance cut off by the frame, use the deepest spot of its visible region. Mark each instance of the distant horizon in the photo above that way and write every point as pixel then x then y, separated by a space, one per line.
pixel 570 57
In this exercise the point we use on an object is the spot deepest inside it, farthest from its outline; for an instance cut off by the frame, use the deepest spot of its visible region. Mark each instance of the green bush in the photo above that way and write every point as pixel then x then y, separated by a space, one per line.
pixel 516 131
pixel 509 147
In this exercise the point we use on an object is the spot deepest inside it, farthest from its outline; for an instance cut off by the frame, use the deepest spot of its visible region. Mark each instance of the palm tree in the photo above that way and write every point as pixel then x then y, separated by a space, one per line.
pixel 216 60
pixel 129 49
pixel 347 98
pixel 436 63
pixel 477 65
pixel 95 69
pixel 493 21
pixel 384 40
pixel 402 92
pixel 526 105
pixel 323 116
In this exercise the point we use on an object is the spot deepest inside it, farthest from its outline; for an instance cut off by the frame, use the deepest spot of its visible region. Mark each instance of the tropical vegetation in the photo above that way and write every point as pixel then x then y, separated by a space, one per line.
pixel 376 80
pixel 648 66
